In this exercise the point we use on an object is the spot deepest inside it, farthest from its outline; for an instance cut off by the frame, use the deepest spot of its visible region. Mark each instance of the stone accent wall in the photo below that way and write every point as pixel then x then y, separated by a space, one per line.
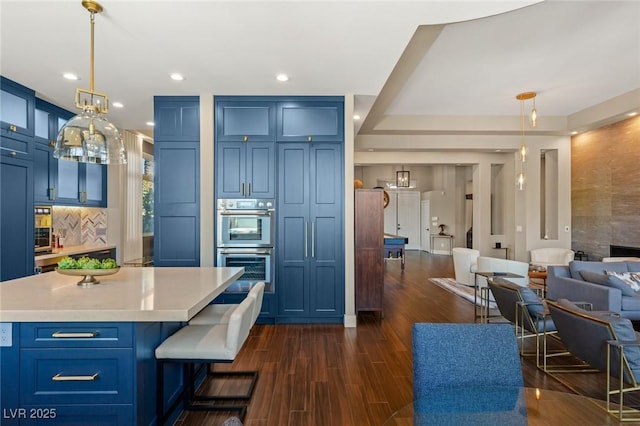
pixel 80 225
pixel 605 188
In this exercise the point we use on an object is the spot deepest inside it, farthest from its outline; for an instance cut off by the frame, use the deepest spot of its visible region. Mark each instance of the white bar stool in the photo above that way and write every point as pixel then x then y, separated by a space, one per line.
pixel 218 313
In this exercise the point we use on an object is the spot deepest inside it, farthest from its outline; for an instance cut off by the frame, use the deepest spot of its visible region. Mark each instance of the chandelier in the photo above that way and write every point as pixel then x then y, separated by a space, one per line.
pixel 522 97
pixel 89 137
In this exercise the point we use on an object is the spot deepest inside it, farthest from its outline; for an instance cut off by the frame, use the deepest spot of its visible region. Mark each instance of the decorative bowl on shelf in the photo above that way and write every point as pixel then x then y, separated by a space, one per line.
pixel 88 274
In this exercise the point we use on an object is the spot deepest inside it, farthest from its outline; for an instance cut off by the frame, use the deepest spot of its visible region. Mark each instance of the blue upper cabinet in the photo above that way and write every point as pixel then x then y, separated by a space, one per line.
pixel 245 148
pixel 176 118
pixel 48 121
pixel 17 105
pixel 311 120
pixel 245 120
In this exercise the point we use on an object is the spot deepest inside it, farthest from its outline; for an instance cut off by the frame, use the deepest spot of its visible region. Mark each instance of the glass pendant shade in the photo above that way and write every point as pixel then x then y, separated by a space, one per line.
pixel 520 181
pixel 90 138
pixel 402 179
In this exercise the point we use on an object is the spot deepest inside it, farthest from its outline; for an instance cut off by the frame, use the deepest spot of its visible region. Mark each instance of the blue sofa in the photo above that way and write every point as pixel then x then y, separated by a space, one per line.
pixel 586 281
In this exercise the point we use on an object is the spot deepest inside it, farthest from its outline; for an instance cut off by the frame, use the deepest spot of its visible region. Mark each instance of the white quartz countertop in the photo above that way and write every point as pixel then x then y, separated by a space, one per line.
pixel 132 294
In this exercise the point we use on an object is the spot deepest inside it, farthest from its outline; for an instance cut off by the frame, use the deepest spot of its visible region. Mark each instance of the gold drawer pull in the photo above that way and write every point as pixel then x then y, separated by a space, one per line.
pixel 87 335
pixel 245 138
pixel 13 128
pixel 309 138
pixel 59 378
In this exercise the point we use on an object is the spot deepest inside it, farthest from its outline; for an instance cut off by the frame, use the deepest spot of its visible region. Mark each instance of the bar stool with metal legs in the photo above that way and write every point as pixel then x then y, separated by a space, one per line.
pixel 197 344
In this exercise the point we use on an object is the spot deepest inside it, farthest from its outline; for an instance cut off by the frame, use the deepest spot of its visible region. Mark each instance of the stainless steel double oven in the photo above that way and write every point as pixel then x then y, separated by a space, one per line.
pixel 245 232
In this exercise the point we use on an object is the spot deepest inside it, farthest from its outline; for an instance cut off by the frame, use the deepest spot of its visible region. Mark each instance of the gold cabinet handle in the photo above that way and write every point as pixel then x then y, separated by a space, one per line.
pixel 306 246
pixel 13 153
pixel 52 143
pixel 83 335
pixel 52 193
pixel 249 186
pixel 13 128
pixel 309 138
pixel 242 188
pixel 313 239
pixel 60 378
pixel 245 138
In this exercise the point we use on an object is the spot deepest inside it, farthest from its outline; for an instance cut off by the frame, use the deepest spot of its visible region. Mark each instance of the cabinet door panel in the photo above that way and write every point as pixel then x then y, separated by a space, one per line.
pixel 231 169
pixel 310 121
pixel 260 170
pixel 68 181
pixel 95 185
pixel 44 174
pixel 177 179
pixel 17 110
pixel 294 177
pixel 177 120
pixel 292 300
pixel 245 121
pixel 16 210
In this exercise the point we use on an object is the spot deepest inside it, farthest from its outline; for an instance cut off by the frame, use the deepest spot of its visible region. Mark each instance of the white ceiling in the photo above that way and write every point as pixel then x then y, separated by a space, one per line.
pixel 576 54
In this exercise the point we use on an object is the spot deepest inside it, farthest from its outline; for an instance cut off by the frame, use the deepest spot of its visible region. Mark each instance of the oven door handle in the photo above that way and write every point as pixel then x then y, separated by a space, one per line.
pixel 247 251
pixel 245 213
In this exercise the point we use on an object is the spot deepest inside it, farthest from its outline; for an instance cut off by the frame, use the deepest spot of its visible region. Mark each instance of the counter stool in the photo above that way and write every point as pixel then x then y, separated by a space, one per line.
pixel 196 344
pixel 219 313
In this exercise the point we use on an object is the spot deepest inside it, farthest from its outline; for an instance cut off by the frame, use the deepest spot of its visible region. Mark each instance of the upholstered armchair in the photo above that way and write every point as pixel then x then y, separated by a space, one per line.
pixel 465 264
pixel 551 256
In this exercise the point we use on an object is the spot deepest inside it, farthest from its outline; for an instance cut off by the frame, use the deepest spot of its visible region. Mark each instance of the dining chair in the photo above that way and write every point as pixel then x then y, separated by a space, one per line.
pixel 464 355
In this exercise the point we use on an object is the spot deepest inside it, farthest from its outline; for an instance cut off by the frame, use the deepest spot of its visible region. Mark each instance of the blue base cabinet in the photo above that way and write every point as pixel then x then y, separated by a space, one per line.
pixel 310 233
pixel 85 373
pixel 177 181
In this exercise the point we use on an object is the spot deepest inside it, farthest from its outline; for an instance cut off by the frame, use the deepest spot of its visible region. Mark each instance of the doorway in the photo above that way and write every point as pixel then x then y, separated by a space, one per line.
pixel 425 228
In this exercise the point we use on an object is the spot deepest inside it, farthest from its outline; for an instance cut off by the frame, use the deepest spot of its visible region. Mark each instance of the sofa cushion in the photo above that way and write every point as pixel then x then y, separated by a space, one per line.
pixel 624 331
pixel 595 277
pixel 630 279
pixel 582 265
pixel 631 303
pixel 607 280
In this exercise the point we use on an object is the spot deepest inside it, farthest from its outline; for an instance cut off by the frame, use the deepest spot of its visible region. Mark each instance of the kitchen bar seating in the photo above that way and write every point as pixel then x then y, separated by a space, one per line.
pixel 197 344
pixel 219 313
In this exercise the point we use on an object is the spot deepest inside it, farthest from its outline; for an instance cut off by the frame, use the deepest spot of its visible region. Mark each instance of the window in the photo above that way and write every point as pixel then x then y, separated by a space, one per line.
pixel 147 195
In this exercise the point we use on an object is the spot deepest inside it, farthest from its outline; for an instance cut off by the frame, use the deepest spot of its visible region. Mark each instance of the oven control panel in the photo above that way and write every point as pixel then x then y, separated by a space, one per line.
pixel 246 204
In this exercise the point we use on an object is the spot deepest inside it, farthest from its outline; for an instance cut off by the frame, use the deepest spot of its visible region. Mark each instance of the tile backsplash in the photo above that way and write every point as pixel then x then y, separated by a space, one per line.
pixel 80 225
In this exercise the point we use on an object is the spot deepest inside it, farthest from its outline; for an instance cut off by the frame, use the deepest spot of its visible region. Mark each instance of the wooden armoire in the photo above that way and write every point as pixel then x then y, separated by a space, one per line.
pixel 369 244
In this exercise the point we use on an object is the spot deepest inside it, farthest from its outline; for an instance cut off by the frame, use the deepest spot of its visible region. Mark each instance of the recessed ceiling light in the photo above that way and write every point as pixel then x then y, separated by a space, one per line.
pixel 498 150
pixel 118 104
pixel 70 76
pixel 370 150
pixel 150 123
pixel 356 117
pixel 282 77
pixel 632 114
pixel 177 77
pixel 575 132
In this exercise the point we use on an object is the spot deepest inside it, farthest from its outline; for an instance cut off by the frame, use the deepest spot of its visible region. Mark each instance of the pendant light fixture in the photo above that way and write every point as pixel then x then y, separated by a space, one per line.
pixel 522 97
pixel 89 137
pixel 402 178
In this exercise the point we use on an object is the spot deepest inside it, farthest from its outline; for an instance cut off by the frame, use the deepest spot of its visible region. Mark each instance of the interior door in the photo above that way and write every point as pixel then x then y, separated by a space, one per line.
pixel 391 215
pixel 425 233
pixel 409 218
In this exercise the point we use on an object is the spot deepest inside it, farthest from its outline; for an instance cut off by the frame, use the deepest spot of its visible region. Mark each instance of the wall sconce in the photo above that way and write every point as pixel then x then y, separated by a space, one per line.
pixel 402 179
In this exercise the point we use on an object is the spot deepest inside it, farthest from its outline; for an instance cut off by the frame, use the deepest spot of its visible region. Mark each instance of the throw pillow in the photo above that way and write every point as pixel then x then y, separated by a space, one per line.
pixel 630 279
pixel 594 277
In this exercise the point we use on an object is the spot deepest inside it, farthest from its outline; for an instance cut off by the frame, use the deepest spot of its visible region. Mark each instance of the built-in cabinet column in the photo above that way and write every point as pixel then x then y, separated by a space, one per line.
pixel 177 181
pixel 369 246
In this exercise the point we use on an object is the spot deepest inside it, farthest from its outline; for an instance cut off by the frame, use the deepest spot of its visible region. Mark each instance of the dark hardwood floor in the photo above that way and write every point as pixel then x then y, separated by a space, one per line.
pixel 330 375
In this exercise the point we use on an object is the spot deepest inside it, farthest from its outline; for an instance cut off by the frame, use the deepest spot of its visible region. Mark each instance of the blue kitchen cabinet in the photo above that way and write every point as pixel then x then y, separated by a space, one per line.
pixel 16 114
pixel 245 169
pixel 312 119
pixel 245 119
pixel 177 182
pixel 310 232
pixel 48 121
pixel 81 184
pixel 17 218
pixel 176 119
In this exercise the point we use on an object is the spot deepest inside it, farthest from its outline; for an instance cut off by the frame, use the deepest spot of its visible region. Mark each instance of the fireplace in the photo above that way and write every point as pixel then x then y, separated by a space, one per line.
pixel 624 251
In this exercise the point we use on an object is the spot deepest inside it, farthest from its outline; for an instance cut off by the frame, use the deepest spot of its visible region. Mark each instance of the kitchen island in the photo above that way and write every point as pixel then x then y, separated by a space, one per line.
pixel 71 353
